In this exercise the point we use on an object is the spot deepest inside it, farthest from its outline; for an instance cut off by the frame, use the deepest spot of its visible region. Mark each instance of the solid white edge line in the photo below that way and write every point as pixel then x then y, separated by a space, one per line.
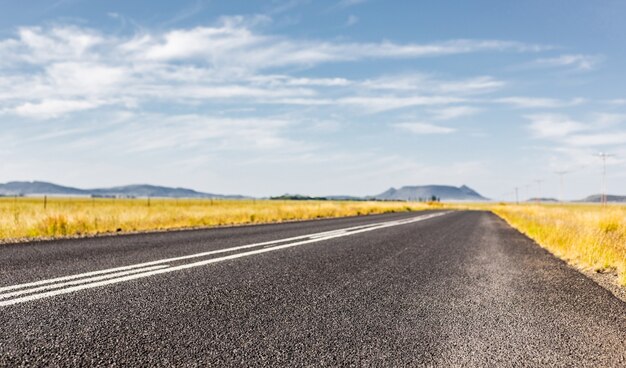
pixel 209 261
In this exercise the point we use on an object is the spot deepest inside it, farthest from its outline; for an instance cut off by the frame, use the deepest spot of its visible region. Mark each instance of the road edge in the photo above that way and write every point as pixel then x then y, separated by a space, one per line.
pixel 606 280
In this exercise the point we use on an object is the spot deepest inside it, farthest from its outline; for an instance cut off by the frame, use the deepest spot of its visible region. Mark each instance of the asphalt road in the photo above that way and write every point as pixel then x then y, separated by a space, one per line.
pixel 456 289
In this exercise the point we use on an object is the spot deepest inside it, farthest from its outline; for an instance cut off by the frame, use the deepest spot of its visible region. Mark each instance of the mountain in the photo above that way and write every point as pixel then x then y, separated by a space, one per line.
pixel 145 190
pixel 38 187
pixel 426 192
pixel 596 198
pixel 141 190
pixel 543 199
pixel 297 197
pixel 344 198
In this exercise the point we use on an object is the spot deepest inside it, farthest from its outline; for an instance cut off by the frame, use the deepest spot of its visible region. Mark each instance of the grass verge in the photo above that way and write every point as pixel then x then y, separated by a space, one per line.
pixel 591 237
pixel 26 218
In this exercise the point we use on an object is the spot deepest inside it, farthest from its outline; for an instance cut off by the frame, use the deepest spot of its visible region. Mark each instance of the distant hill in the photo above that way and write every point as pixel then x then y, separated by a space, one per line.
pixel 145 190
pixel 38 187
pixel 297 197
pixel 596 198
pixel 140 190
pixel 551 200
pixel 344 198
pixel 425 192
pixel 300 197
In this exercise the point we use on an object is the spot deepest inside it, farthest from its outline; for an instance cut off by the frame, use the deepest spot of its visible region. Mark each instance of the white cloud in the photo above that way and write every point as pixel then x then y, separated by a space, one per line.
pixel 52 108
pixel 534 102
pixel 601 130
pixel 598 139
pixel 145 133
pixel 285 80
pixel 37 45
pixel 430 84
pixel 482 84
pixel 577 62
pixel 52 71
pixel 617 101
pixel 454 112
pixel 424 128
pixel 386 103
pixel 606 120
pixel 554 126
pixel 234 42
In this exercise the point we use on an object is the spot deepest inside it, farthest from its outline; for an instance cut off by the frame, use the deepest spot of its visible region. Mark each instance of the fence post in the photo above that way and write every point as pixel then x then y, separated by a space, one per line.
pixel 45 202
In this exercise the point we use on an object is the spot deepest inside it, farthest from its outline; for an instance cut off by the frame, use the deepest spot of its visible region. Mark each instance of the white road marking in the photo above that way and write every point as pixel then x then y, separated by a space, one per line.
pixel 79 281
pixel 306 239
pixel 174 259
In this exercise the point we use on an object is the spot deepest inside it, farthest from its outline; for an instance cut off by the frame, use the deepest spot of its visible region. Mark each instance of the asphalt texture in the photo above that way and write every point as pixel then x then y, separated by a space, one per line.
pixel 461 289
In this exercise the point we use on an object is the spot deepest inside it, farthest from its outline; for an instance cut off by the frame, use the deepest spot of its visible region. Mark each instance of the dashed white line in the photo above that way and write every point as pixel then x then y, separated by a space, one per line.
pixel 79 281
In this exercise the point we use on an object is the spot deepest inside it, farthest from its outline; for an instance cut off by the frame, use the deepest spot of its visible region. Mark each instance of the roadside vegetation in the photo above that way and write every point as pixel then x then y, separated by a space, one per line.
pixel 589 236
pixel 31 218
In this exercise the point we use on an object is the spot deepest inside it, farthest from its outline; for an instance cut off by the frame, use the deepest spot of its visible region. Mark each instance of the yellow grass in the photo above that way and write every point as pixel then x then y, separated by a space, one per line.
pixel 590 236
pixel 26 218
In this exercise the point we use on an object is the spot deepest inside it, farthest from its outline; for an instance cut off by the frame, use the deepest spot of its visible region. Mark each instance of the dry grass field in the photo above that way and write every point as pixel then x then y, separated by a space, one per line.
pixel 26 218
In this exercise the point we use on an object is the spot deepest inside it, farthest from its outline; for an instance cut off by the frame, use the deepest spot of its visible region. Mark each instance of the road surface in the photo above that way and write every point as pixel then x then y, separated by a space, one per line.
pixel 412 289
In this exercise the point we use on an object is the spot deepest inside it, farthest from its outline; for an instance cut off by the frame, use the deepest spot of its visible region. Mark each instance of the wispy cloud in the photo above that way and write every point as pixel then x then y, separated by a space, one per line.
pixel 617 101
pixel 51 108
pixel 424 128
pixel 234 43
pixel 195 8
pixel 554 126
pixel 600 130
pixel 386 103
pixel 454 112
pixel 574 61
pixel 537 102
pixel 429 84
pixel 46 72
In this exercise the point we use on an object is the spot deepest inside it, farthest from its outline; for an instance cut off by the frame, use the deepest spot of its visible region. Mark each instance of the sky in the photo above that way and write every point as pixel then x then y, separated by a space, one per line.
pixel 315 97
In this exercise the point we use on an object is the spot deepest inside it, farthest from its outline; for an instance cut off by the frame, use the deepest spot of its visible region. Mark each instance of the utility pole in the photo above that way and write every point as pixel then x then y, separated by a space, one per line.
pixel 561 174
pixel 516 196
pixel 603 156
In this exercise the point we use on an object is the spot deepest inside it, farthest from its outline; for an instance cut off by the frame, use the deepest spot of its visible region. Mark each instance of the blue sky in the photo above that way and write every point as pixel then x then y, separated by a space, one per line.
pixel 314 97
